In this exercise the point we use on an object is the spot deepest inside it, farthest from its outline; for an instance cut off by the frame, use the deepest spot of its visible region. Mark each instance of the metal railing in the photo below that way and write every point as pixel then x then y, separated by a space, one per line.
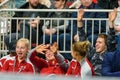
pixel 7 27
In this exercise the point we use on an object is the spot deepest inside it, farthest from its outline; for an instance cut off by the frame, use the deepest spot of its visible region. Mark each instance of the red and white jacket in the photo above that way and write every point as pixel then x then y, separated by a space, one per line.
pixel 12 65
pixel 58 67
pixel 83 68
pixel 3 59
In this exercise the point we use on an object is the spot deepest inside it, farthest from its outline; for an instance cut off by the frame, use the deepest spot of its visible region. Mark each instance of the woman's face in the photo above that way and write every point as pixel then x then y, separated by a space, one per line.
pixel 21 50
pixel 59 4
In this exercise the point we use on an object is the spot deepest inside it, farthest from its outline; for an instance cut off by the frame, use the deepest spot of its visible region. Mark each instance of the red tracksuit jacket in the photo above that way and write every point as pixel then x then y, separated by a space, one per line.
pixel 46 67
pixel 3 59
pixel 80 69
pixel 12 65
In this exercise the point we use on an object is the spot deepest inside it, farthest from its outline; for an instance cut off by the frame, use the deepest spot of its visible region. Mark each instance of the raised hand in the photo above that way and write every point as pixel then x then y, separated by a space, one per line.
pixel 42 48
pixel 80 14
pixel 112 16
pixel 80 17
pixel 54 47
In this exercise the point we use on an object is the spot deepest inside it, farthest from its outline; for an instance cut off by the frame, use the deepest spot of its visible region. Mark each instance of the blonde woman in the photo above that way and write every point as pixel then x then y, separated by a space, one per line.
pixel 80 65
pixel 19 64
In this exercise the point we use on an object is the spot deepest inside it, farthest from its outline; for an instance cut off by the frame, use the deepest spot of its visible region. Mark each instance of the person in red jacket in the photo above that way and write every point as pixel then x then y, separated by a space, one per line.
pixel 55 64
pixel 19 63
pixel 11 54
pixel 80 65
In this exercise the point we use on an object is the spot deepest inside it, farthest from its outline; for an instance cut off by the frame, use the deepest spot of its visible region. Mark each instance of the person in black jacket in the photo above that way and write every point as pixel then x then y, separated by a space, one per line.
pixel 104 43
pixel 111 61
pixel 27 27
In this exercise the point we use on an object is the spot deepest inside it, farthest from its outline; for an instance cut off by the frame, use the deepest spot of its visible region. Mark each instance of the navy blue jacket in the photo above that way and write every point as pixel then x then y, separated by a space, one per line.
pixel 89 22
pixel 111 64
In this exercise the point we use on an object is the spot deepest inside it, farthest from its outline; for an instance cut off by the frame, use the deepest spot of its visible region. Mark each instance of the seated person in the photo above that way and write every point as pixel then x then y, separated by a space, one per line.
pixel 104 44
pixel 30 29
pixel 111 61
pixel 92 27
pixel 54 64
pixel 80 65
pixel 11 54
pixel 55 30
pixel 20 63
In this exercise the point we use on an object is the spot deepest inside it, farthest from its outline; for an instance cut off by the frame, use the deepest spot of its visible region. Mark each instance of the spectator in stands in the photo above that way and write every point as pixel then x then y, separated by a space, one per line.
pixel 111 61
pixel 117 26
pixel 108 4
pixel 91 27
pixel 56 28
pixel 55 64
pixel 80 65
pixel 19 63
pixel 105 43
pixel 26 27
pixel 11 54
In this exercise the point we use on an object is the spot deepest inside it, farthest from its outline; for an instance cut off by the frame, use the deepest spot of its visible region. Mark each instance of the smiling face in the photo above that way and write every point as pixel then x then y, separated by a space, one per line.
pixel 22 48
pixel 100 45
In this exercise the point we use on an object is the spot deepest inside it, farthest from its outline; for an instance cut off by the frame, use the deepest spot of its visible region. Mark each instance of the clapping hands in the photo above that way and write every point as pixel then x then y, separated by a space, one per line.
pixel 42 48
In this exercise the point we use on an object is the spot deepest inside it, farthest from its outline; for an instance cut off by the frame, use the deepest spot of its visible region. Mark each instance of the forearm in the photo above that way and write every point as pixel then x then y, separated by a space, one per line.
pixel 36 61
pixel 79 24
pixel 45 25
pixel 111 43
pixel 61 61
pixel 81 33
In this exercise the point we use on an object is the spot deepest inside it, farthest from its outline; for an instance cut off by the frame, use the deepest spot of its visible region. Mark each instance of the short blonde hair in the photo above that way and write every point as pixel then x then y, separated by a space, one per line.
pixel 81 47
pixel 26 41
